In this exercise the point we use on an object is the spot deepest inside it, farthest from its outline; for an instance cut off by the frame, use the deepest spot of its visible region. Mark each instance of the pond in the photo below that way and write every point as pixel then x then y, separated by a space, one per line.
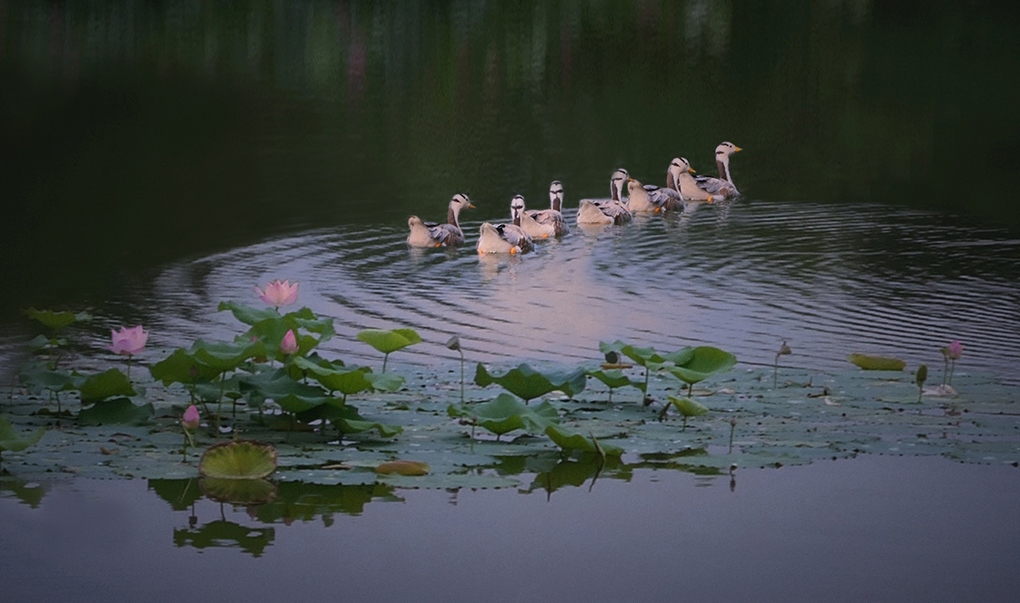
pixel 161 159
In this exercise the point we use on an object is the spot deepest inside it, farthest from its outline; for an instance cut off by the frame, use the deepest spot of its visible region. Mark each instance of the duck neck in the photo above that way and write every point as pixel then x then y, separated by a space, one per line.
pixel 671 182
pixel 554 202
pixel 451 215
pixel 517 219
pixel 723 166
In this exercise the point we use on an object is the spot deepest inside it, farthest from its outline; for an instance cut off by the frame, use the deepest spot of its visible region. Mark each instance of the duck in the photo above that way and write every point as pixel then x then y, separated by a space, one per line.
pixel 506 238
pixel 528 223
pixel 432 234
pixel 552 217
pixel 607 211
pixel 680 171
pixel 721 187
pixel 645 198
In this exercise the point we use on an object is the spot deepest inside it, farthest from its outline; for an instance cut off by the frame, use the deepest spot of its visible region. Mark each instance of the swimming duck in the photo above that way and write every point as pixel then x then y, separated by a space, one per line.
pixel 680 172
pixel 552 217
pixel 432 234
pixel 650 198
pixel 606 211
pixel 721 187
pixel 506 238
pixel 528 223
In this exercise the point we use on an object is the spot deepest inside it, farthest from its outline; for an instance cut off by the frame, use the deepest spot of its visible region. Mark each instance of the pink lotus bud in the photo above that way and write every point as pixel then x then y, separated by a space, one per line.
pixel 279 293
pixel 289 344
pixel 128 341
pixel 954 350
pixel 190 419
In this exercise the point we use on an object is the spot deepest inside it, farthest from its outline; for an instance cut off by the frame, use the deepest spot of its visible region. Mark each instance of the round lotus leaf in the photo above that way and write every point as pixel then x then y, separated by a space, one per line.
pixel 238 459
pixel 870 362
pixel 403 467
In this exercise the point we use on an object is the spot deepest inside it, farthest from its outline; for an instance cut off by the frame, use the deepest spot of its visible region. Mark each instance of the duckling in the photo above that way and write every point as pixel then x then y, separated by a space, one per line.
pixel 551 217
pixel 721 187
pixel 684 183
pixel 506 238
pixel 596 211
pixel 432 234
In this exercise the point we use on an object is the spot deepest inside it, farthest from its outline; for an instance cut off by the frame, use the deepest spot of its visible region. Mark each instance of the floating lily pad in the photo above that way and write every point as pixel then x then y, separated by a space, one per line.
pixel 57 320
pixel 704 362
pixel 870 362
pixel 403 467
pixel 571 440
pixel 107 384
pixel 238 459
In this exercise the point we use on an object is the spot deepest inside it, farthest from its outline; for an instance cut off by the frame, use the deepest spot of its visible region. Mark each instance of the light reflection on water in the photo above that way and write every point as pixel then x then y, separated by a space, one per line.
pixel 828 279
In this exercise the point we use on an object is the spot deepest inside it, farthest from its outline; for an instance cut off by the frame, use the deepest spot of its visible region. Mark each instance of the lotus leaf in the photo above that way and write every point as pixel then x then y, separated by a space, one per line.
pixel 614 378
pixel 183 367
pixel 704 362
pixel 37 378
pixel 403 467
pixel 571 440
pixel 105 385
pixel 10 440
pixel 389 341
pixel 238 459
pixel 224 357
pixel 504 414
pixel 56 320
pixel 527 383
pixel 870 362
pixel 118 411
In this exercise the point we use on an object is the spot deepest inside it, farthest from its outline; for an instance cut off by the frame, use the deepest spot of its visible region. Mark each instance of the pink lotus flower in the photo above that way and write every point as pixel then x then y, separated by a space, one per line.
pixel 289 345
pixel 128 341
pixel 954 350
pixel 279 293
pixel 190 419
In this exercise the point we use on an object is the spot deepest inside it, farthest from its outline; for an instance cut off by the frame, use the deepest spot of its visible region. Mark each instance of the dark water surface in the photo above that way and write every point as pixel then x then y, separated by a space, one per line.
pixel 866 529
pixel 158 158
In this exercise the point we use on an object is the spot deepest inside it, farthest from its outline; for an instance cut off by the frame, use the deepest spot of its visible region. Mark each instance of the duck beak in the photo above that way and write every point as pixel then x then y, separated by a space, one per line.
pixel 471 205
pixel 691 170
pixel 737 149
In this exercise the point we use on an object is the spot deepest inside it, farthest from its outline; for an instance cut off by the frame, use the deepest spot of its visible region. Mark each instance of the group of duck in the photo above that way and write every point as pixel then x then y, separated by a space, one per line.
pixel 518 235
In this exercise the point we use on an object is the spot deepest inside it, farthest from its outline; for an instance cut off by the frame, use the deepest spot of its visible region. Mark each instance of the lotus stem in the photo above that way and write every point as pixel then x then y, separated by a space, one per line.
pixel 461 374
pixel 733 427
pixel 385 357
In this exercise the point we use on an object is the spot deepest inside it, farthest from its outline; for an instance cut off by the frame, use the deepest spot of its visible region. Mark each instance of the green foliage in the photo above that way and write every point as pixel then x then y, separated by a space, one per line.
pixel 108 384
pixel 238 459
pixel 37 378
pixel 613 379
pixel 389 341
pixel 571 440
pixel 869 362
pixel 56 320
pixel 10 440
pixel 504 414
pixel 118 411
pixel 704 362
pixel 238 491
pixel 527 383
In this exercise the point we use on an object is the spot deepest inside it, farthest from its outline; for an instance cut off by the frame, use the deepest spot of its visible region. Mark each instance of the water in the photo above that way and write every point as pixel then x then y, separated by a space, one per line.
pixel 828 279
pixel 157 159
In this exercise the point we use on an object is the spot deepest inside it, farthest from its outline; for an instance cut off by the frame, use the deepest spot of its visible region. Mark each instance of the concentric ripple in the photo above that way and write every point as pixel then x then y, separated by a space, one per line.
pixel 827 279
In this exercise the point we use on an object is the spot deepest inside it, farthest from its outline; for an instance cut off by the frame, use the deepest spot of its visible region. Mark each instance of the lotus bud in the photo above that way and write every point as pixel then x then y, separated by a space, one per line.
pixel 954 350
pixel 279 293
pixel 128 341
pixel 453 344
pixel 190 419
pixel 289 345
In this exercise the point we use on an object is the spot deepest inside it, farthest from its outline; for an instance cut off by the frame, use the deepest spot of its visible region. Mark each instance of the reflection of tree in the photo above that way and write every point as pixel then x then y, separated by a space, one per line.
pixel 30 493
pixel 307 502
pixel 225 534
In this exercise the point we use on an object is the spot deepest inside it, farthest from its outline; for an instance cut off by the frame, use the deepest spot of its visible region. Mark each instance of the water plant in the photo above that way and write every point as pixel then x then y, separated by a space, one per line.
pixel 454 344
pixel 128 342
pixel 687 408
pixel 871 362
pixel 279 293
pixel 782 351
pixel 189 423
pixel 11 440
pixel 528 384
pixel 388 342
pixel 950 354
pixel 920 377
pixel 504 414
pixel 703 362
pixel 614 379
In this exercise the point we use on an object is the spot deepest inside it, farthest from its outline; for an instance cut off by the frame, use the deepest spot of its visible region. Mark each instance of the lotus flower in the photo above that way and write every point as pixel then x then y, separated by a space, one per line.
pixel 279 293
pixel 128 341
pixel 954 350
pixel 190 419
pixel 289 345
